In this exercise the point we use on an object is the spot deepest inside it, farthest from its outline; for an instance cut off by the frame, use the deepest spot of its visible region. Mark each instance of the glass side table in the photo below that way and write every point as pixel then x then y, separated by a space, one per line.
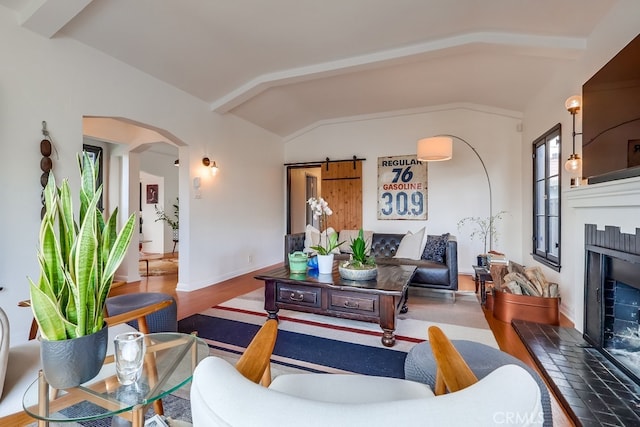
pixel 170 359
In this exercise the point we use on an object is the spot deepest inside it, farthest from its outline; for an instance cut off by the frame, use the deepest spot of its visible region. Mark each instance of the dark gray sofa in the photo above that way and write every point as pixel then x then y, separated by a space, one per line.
pixel 429 274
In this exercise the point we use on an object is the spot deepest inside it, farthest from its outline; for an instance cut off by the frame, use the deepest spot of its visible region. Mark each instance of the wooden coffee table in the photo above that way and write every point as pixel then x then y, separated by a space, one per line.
pixel 376 301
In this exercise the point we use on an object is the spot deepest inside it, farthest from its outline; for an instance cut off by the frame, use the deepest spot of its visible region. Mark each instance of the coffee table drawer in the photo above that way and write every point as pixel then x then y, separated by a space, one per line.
pixel 353 302
pixel 298 295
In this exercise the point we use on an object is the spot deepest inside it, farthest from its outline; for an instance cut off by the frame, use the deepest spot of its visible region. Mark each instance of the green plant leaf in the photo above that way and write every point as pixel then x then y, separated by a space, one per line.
pixel 116 256
pixel 50 320
pixel 84 265
pixel 78 263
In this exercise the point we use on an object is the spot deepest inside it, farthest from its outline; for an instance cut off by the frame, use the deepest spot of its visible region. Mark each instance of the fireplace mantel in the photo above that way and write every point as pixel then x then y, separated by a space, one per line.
pixel 613 203
pixel 621 193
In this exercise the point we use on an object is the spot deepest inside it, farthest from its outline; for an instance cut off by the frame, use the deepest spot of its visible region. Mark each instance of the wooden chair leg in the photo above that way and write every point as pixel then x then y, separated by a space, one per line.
pixel 256 358
pixel 451 367
pixel 440 387
pixel 266 377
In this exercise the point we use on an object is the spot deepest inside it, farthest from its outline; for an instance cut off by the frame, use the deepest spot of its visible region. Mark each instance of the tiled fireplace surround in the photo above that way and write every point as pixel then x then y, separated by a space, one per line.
pixel 594 390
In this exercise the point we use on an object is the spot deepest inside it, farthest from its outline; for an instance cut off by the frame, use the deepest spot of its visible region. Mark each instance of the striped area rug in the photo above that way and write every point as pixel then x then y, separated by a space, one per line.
pixel 315 343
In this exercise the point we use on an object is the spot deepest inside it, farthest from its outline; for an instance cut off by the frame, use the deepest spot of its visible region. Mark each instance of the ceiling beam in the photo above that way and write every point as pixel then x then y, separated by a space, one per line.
pixel 521 44
pixel 47 17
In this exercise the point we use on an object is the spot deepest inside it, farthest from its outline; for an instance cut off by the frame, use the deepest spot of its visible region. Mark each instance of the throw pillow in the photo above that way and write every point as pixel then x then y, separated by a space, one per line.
pixel 324 235
pixel 435 248
pixel 346 236
pixel 311 238
pixel 314 237
pixel 410 246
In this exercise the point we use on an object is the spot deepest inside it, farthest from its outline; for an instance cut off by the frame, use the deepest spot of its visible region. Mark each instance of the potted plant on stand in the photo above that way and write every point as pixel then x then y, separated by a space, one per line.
pixel 360 266
pixel 78 260
pixel 171 222
pixel 330 242
pixel 483 228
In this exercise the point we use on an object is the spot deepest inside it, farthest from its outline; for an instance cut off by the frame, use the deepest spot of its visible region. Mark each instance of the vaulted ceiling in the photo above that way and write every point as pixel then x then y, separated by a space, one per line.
pixel 286 65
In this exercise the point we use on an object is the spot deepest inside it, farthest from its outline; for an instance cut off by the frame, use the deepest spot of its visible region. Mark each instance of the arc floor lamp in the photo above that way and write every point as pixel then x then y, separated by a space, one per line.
pixel 440 148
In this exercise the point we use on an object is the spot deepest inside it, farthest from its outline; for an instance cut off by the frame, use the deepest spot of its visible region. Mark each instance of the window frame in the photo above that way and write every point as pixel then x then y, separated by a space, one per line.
pixel 550 213
pixel 95 153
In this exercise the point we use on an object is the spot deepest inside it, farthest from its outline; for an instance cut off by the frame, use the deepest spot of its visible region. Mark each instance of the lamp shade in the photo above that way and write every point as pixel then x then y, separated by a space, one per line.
pixel 573 103
pixel 435 149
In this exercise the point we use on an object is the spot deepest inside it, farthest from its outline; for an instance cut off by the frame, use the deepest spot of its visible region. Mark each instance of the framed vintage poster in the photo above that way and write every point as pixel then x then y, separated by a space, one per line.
pixel 402 188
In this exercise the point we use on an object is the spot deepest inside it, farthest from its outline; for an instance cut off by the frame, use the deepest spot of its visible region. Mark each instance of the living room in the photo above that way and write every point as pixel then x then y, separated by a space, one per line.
pixel 494 132
pixel 237 222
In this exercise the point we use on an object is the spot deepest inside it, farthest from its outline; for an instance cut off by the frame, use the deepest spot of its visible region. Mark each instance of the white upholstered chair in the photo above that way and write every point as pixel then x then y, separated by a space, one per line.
pixel 221 396
pixel 224 395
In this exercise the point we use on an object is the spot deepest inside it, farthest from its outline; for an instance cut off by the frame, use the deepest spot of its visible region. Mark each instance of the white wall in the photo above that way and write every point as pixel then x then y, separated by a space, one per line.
pixel 456 188
pixel 159 165
pixel 611 35
pixel 153 233
pixel 241 209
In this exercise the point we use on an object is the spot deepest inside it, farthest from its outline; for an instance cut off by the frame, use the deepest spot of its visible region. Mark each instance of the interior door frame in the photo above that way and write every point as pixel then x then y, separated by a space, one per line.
pixel 289 169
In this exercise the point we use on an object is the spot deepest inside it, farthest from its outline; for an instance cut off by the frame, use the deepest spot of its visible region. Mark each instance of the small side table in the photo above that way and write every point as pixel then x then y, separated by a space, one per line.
pixel 481 276
pixel 148 257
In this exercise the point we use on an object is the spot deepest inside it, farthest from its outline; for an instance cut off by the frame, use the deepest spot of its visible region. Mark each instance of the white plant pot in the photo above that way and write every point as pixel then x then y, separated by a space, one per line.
pixel 325 264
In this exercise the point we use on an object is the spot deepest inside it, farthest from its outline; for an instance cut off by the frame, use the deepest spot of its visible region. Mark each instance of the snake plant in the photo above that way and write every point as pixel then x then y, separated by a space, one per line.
pixel 78 259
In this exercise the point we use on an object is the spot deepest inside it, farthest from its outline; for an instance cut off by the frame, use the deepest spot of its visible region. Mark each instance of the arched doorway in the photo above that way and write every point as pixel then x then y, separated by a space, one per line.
pixel 132 150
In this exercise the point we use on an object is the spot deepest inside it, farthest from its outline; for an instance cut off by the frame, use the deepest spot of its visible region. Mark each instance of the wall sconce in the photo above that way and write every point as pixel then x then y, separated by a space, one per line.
pixel 210 164
pixel 176 163
pixel 573 105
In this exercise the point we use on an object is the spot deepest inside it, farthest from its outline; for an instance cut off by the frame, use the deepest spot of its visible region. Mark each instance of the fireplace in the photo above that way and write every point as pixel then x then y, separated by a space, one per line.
pixel 595 386
pixel 612 296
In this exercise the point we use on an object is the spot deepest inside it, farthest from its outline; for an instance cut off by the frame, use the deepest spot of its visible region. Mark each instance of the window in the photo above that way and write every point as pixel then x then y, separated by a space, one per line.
pixel 95 153
pixel 546 198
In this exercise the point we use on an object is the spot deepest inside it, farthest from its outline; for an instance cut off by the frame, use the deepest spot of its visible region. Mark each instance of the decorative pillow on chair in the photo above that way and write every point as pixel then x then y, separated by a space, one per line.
pixel 410 246
pixel 435 248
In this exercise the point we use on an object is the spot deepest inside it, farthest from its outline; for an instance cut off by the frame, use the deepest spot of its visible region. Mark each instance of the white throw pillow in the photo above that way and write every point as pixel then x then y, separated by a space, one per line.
pixel 347 236
pixel 313 237
pixel 325 235
pixel 411 245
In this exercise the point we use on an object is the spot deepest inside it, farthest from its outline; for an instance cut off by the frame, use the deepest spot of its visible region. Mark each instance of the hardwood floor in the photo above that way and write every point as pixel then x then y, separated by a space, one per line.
pixel 193 302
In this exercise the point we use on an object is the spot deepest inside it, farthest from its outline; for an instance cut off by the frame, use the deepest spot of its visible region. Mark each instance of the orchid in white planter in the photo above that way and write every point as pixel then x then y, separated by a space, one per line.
pixel 321 210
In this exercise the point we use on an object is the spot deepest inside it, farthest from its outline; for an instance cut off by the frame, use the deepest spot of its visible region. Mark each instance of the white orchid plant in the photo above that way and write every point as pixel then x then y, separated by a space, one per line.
pixel 321 210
